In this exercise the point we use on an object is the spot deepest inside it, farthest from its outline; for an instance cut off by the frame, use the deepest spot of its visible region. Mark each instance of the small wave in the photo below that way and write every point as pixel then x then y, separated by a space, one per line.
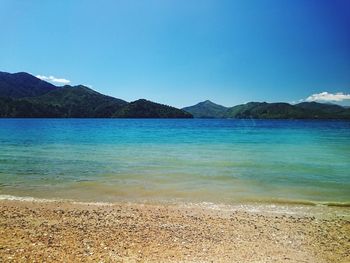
pixel 26 199
pixel 337 204
pixel 281 205
pixel 308 203
pixel 44 200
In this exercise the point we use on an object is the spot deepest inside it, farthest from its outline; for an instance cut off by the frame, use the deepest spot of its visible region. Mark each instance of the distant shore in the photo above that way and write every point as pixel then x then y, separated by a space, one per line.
pixel 136 232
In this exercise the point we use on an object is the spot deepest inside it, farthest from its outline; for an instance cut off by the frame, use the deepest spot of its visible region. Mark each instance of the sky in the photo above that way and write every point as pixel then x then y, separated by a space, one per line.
pixel 181 52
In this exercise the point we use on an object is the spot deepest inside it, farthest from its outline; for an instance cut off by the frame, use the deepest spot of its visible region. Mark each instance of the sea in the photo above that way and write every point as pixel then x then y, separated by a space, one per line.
pixel 220 161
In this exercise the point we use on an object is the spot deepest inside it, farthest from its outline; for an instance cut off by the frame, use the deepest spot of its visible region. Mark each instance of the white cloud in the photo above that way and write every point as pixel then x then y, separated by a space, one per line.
pixel 295 102
pixel 53 79
pixel 328 97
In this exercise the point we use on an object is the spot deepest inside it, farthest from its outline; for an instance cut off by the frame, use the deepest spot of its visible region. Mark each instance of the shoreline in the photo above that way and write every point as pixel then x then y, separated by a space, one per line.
pixel 292 207
pixel 51 230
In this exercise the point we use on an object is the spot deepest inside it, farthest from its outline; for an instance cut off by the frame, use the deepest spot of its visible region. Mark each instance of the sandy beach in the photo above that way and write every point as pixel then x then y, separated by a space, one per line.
pixel 132 232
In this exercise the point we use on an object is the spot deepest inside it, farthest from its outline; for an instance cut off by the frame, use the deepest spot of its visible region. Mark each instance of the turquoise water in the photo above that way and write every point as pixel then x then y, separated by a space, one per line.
pixel 220 161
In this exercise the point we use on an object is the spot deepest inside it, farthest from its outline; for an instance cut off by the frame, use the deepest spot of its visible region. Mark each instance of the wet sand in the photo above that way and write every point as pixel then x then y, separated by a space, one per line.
pixel 132 232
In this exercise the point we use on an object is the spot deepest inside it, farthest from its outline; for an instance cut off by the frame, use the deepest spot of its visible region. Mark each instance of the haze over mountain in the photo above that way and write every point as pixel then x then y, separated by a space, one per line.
pixel 23 95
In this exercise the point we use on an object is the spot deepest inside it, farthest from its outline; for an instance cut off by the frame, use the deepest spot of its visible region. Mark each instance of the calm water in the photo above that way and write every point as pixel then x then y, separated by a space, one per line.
pixel 224 161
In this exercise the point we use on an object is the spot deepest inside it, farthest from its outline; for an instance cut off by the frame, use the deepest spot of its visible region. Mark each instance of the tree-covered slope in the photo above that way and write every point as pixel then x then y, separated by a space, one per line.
pixel 306 110
pixel 147 109
pixel 20 85
pixel 265 110
pixel 80 102
pixel 23 95
pixel 206 109
pixel 20 108
pixel 325 111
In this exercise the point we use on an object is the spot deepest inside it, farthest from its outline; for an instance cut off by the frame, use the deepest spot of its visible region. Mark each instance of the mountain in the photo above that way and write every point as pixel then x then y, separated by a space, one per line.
pixel 325 108
pixel 326 111
pixel 206 109
pixel 25 96
pixel 80 102
pixel 236 111
pixel 305 110
pixel 263 110
pixel 20 85
pixel 147 109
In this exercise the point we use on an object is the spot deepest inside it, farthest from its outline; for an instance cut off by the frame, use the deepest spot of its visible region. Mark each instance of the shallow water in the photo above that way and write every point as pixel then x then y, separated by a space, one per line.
pixel 220 161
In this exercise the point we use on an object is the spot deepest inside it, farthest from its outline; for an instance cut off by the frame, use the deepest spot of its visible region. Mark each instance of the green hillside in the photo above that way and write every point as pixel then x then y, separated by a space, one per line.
pixel 147 109
pixel 80 102
pixel 306 110
pixel 206 109
pixel 20 85
pixel 23 95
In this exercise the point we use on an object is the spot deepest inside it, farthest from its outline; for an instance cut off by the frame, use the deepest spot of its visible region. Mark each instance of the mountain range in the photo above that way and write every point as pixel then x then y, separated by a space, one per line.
pixel 264 110
pixel 23 95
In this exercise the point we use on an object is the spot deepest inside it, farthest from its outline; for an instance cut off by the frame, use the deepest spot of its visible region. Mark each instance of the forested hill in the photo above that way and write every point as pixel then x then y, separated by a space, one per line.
pixel 21 85
pixel 23 95
pixel 206 109
pixel 264 110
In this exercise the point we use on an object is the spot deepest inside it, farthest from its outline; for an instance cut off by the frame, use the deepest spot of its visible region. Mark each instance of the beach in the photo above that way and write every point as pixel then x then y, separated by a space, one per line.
pixel 66 231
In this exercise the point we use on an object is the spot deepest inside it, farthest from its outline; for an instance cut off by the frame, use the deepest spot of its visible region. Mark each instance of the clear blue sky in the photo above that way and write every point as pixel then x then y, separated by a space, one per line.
pixel 182 52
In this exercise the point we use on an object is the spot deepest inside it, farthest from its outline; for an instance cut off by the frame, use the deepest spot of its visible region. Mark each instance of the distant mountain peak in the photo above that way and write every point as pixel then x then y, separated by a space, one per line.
pixel 207 102
pixel 206 109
